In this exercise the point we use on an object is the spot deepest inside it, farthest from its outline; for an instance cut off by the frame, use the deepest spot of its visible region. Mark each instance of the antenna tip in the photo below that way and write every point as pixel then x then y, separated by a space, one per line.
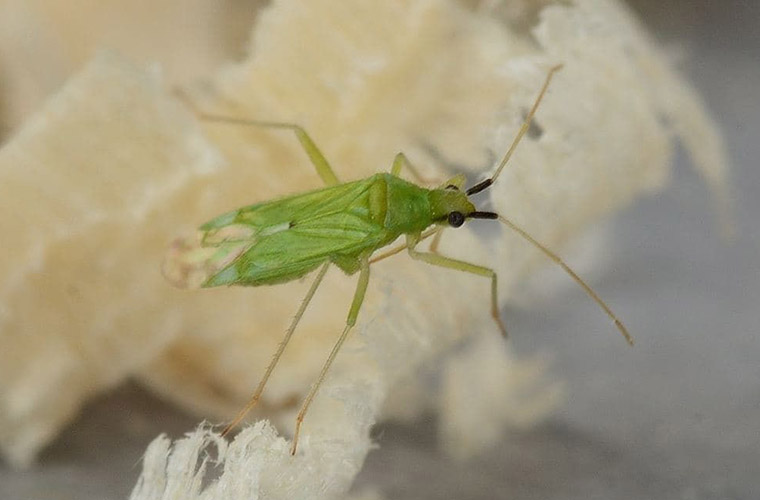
pixel 624 331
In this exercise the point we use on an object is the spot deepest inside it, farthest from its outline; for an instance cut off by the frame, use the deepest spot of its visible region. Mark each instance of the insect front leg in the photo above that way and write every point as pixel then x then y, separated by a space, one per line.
pixel 353 313
pixel 436 241
pixel 280 348
pixel 400 248
pixel 460 265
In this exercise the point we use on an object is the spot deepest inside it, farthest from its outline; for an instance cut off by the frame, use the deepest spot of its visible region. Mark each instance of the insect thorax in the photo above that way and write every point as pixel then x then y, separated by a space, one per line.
pixel 407 206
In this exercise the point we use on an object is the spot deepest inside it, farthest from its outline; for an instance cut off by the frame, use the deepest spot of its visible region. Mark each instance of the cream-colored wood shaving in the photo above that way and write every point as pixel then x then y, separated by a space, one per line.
pixel 448 86
pixel 42 42
pixel 83 304
pixel 112 170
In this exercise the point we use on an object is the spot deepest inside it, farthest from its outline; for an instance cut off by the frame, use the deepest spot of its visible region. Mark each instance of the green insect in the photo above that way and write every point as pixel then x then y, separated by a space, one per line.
pixel 342 224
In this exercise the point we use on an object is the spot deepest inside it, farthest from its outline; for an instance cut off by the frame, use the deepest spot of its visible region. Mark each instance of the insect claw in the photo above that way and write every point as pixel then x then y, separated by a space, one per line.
pixel 297 431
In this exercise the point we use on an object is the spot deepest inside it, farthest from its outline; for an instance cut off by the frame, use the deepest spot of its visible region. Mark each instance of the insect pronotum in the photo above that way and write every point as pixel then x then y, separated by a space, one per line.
pixel 341 224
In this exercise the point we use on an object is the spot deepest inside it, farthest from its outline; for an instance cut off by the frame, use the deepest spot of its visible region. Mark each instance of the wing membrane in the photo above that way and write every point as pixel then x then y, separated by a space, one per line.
pixel 280 240
pixel 294 209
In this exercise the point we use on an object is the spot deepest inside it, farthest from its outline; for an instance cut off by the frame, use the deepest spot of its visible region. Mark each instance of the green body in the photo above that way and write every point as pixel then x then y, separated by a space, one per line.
pixel 281 240
pixel 342 224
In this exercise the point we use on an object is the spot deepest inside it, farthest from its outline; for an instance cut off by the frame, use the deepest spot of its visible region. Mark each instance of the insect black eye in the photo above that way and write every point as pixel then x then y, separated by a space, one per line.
pixel 452 187
pixel 456 219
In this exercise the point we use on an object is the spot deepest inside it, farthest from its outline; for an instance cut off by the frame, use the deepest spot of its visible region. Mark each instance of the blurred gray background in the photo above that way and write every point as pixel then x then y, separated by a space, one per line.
pixel 677 417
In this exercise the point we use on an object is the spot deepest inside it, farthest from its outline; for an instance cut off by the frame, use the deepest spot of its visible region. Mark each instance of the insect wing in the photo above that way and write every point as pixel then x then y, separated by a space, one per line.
pixel 291 209
pixel 291 253
pixel 274 241
pixel 189 262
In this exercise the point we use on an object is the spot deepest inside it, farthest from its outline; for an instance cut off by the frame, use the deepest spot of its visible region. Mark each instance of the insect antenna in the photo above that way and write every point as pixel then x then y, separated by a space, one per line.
pixel 557 260
pixel 485 184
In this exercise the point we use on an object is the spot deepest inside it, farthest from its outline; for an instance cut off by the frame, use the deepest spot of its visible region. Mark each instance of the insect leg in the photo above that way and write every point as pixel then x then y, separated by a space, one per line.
pixel 361 288
pixel 280 348
pixel 401 161
pixel 460 265
pixel 436 241
pixel 324 170
pixel 400 248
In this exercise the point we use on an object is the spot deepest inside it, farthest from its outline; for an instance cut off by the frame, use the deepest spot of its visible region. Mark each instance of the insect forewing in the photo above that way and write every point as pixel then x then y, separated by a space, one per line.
pixel 276 241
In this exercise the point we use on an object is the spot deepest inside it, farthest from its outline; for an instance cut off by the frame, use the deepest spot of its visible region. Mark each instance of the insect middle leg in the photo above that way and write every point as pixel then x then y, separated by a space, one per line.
pixel 401 161
pixel 280 348
pixel 460 265
pixel 353 313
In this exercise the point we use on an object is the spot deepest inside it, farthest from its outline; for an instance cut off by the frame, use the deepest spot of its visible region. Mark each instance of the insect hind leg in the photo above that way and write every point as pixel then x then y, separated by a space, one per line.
pixel 361 289
pixel 280 348
pixel 317 158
